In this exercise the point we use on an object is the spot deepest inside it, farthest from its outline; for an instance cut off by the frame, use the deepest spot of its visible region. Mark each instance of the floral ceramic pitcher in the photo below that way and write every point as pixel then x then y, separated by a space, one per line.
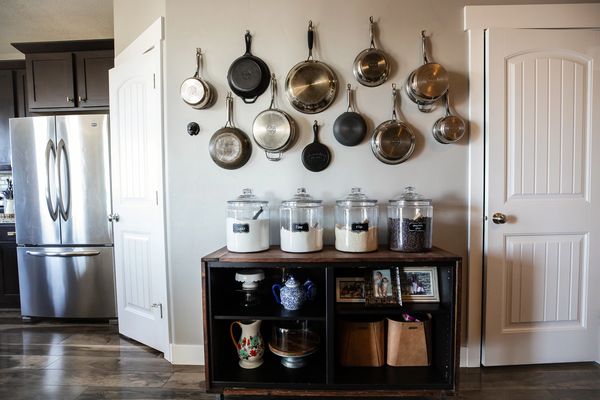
pixel 250 346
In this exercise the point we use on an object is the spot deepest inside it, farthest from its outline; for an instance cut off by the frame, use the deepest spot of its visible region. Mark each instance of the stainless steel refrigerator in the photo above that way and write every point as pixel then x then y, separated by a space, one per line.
pixel 61 171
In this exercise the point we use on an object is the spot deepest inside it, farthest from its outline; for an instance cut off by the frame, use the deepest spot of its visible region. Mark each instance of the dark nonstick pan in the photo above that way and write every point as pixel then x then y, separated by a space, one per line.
pixel 316 156
pixel 248 76
pixel 230 147
pixel 350 128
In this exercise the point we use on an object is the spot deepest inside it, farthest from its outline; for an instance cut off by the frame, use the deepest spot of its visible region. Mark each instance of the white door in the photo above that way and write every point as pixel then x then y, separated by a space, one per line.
pixel 543 173
pixel 137 183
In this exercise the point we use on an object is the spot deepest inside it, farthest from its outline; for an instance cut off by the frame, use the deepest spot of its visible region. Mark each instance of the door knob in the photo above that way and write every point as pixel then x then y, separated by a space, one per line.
pixel 499 218
pixel 113 217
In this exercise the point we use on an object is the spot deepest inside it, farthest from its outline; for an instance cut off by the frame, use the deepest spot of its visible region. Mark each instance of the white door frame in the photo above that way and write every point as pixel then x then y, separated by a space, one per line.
pixel 476 20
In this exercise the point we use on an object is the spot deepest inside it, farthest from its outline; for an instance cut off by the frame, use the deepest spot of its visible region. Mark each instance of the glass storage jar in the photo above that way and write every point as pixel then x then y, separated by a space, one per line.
pixel 409 222
pixel 247 223
pixel 301 220
pixel 356 219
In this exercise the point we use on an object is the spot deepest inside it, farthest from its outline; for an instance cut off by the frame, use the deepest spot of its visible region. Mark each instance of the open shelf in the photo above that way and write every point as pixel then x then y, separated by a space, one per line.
pixel 360 309
pixel 270 311
pixel 392 377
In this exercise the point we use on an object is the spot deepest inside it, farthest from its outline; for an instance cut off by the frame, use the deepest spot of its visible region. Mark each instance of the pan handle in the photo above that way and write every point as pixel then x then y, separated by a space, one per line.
pixel 424 47
pixel 316 131
pixel 229 110
pixel 311 37
pixel 248 39
pixel 198 62
pixel 447 103
pixel 394 95
pixel 273 90
pixel 371 23
pixel 349 92
pixel 272 156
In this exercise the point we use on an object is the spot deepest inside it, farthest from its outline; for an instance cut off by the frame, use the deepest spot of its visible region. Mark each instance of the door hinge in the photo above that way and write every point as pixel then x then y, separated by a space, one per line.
pixel 154 81
pixel 156 193
pixel 158 305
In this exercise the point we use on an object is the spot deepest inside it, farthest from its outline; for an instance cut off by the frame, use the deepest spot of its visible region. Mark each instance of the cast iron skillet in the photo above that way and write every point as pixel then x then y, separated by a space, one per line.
pixel 316 156
pixel 248 76
pixel 350 127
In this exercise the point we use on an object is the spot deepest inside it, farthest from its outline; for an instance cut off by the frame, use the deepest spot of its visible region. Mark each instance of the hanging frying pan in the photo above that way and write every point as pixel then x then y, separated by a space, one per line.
pixel 428 83
pixel 350 128
pixel 371 66
pixel 393 141
pixel 450 128
pixel 195 91
pixel 248 75
pixel 229 147
pixel 274 130
pixel 316 156
pixel 311 85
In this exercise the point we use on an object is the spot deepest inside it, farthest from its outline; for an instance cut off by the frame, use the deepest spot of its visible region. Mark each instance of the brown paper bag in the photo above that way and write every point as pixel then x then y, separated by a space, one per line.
pixel 361 344
pixel 409 343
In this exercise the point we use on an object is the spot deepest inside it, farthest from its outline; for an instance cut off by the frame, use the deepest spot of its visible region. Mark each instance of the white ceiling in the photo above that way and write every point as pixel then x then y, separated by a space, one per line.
pixel 50 20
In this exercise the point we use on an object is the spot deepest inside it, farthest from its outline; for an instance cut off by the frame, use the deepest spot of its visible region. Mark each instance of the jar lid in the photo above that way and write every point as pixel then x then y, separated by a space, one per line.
pixel 302 199
pixel 356 198
pixel 410 198
pixel 246 199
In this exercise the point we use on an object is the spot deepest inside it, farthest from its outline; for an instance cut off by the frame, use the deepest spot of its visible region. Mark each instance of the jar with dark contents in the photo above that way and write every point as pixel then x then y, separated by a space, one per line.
pixel 410 222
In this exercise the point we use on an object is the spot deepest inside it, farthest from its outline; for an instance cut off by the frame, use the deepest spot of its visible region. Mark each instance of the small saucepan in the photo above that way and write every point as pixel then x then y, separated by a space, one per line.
pixel 450 128
pixel 350 128
pixel 393 141
pixel 248 75
pixel 196 91
pixel 428 83
pixel 230 147
pixel 371 66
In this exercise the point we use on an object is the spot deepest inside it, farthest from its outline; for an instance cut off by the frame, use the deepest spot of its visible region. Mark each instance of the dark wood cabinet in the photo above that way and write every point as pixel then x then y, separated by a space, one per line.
pixel 324 375
pixel 12 103
pixel 9 273
pixel 68 76
pixel 50 80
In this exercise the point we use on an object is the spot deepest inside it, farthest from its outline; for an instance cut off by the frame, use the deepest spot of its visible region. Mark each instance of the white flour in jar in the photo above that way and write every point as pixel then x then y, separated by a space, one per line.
pixel 303 241
pixel 355 242
pixel 248 235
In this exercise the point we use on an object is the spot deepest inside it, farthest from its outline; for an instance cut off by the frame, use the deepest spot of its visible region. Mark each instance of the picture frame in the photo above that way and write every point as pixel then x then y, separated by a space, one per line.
pixel 382 287
pixel 419 284
pixel 350 290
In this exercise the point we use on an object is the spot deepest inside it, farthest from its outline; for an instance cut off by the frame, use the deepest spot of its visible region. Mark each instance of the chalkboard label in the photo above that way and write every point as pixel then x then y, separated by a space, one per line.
pixel 362 227
pixel 299 227
pixel 416 227
pixel 241 228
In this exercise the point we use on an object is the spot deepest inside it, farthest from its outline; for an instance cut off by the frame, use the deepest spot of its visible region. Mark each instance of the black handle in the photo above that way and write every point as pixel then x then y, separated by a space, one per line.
pixel 248 38
pixel 316 131
pixel 310 36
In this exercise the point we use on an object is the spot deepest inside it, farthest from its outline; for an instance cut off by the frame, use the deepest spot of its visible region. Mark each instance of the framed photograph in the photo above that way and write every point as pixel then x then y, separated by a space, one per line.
pixel 382 287
pixel 350 290
pixel 419 284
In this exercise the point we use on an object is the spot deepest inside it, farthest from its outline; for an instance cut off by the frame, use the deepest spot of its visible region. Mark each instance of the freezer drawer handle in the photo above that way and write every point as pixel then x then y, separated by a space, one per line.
pixel 85 253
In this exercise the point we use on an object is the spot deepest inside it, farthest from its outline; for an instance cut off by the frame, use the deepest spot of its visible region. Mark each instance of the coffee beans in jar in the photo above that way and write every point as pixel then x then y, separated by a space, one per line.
pixel 410 222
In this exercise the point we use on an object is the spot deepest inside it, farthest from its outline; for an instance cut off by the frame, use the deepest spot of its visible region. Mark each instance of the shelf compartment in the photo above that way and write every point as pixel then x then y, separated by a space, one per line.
pixel 270 311
pixel 359 309
pixel 409 378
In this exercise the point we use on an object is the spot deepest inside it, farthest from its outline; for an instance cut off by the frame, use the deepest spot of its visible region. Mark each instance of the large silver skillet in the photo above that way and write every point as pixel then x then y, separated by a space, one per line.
pixel 311 85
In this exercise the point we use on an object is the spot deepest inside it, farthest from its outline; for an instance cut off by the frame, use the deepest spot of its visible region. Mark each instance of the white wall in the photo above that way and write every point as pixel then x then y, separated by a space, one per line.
pixel 132 17
pixel 198 189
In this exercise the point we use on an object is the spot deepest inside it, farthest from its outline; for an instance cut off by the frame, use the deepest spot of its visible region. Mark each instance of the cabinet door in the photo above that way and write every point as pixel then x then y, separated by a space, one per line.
pixel 9 276
pixel 50 80
pixel 7 110
pixel 92 77
pixel 21 94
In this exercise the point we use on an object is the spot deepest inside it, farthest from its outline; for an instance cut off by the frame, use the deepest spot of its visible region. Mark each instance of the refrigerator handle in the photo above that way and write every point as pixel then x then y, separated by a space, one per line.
pixel 53 210
pixel 83 253
pixel 64 208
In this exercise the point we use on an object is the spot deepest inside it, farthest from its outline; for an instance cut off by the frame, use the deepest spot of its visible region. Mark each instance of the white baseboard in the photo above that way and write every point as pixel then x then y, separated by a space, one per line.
pixel 187 354
pixel 464 360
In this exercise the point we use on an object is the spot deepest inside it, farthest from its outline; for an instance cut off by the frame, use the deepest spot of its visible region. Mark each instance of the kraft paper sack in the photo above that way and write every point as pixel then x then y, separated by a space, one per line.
pixel 409 343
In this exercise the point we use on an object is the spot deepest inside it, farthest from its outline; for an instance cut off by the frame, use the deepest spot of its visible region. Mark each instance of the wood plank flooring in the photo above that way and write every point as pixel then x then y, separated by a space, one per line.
pixel 86 361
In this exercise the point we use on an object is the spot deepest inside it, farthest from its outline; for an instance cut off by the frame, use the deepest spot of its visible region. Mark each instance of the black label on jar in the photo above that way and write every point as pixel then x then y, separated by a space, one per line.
pixel 416 227
pixel 296 227
pixel 363 227
pixel 241 228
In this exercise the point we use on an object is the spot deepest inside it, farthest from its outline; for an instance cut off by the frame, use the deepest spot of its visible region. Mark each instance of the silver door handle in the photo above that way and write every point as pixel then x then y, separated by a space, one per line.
pixel 64 210
pixel 82 99
pixel 499 218
pixel 158 305
pixel 113 217
pixel 51 209
pixel 83 253
pixel 69 99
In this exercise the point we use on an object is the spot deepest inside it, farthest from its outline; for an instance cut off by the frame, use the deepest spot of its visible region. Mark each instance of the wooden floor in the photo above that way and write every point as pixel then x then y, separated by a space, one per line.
pixel 46 360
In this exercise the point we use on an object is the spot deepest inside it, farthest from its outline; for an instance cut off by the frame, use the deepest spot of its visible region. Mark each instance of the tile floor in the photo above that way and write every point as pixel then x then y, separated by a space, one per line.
pixel 48 360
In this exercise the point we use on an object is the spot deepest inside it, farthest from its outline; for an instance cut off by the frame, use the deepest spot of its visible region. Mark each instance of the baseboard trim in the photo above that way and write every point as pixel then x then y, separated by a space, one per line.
pixel 187 354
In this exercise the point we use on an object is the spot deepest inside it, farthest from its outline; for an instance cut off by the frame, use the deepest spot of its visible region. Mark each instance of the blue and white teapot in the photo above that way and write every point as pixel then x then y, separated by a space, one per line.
pixel 293 295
